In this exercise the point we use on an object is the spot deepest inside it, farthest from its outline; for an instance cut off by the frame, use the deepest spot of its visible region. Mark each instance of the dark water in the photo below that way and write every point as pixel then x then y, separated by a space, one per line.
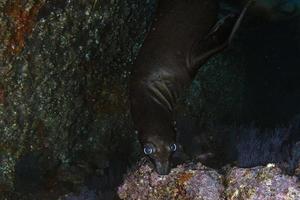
pixel 272 71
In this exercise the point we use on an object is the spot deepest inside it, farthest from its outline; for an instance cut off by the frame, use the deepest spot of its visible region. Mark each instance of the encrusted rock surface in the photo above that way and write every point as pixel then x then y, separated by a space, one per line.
pixel 261 183
pixel 187 181
pixel 195 182
pixel 64 68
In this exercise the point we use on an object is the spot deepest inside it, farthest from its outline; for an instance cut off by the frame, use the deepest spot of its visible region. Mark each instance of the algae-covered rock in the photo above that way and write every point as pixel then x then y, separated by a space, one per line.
pixel 195 181
pixel 261 183
pixel 189 181
pixel 64 67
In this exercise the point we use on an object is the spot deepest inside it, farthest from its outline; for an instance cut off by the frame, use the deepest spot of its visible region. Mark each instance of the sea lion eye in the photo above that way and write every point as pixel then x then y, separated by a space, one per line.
pixel 149 149
pixel 173 147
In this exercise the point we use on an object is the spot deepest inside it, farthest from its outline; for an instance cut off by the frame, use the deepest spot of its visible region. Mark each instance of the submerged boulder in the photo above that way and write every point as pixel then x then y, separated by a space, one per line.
pixel 188 181
pixel 261 183
pixel 196 181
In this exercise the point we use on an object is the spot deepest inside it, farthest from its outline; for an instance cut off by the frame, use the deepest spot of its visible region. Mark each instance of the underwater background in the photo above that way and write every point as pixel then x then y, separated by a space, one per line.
pixel 65 125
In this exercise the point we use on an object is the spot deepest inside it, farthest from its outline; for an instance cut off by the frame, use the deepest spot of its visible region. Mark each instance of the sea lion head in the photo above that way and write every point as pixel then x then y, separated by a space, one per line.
pixel 160 150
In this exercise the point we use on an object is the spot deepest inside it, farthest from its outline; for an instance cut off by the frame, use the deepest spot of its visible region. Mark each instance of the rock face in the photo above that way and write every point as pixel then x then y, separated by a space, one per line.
pixel 195 182
pixel 261 183
pixel 184 182
pixel 64 67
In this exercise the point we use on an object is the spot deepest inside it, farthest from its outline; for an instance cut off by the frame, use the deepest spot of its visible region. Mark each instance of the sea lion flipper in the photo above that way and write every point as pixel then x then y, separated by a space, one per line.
pixel 218 38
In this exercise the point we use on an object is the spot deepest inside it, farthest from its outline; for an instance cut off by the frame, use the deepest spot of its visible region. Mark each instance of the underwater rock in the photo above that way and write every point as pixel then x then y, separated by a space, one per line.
pixel 188 181
pixel 64 67
pixel 261 183
pixel 32 171
pixel 195 181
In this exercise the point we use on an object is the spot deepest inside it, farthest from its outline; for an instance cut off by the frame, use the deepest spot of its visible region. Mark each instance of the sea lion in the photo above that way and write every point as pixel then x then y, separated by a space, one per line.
pixel 184 34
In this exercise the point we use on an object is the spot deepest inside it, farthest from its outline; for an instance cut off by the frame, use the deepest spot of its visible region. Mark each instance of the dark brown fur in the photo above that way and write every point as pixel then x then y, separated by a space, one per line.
pixel 181 39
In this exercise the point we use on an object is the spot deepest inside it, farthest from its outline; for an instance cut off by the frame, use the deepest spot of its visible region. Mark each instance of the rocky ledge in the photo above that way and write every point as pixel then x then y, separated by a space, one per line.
pixel 198 182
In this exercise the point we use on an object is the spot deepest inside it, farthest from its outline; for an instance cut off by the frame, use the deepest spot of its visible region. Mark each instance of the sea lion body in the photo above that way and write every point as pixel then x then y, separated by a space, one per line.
pixel 165 67
pixel 160 71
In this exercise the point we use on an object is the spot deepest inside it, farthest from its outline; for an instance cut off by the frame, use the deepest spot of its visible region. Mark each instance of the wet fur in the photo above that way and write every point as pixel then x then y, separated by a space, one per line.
pixel 183 36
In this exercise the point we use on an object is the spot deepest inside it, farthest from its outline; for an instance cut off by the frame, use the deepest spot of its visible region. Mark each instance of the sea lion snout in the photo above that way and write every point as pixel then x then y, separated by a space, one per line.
pixel 162 162
pixel 162 167
pixel 160 153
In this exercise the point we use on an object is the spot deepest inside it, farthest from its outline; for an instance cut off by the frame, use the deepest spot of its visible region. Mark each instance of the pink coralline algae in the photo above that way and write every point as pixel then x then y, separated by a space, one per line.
pixel 197 182
pixel 185 182
pixel 261 183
